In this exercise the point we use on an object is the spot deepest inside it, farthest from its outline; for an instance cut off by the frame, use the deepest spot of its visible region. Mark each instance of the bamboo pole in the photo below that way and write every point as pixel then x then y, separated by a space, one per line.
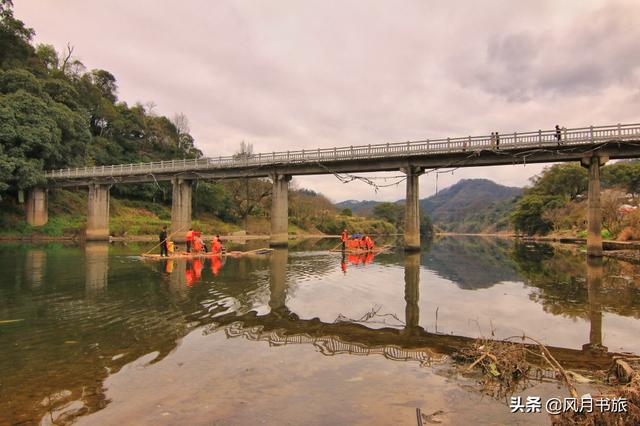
pixel 167 239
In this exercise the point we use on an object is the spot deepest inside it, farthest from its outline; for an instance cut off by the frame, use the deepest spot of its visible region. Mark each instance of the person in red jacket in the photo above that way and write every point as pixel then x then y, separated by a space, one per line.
pixel 189 239
pixel 216 245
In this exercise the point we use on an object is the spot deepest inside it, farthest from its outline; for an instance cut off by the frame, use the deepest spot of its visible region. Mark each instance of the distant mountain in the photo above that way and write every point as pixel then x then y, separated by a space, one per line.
pixel 471 205
pixel 362 208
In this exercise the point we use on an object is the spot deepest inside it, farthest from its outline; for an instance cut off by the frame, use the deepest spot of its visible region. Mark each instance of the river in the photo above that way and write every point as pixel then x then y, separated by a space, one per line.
pixel 94 334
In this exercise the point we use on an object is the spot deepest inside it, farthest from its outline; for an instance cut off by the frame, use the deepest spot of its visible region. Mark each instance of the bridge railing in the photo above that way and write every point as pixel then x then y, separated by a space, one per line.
pixel 504 141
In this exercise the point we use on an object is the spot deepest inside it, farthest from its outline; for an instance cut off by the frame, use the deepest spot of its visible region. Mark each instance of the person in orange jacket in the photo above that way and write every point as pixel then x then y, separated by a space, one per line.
pixel 369 243
pixel 189 239
pixel 216 245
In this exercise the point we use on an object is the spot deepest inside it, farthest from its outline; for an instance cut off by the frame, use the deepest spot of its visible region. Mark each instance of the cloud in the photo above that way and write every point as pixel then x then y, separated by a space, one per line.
pixel 584 55
pixel 292 75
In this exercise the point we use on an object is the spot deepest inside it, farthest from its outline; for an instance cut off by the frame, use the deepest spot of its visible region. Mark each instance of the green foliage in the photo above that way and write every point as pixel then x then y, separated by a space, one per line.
pixel 390 212
pixel 624 174
pixel 211 198
pixel 551 191
pixel 528 215
pixel 565 180
pixel 346 212
pixel 426 227
pixel 333 225
pixel 15 37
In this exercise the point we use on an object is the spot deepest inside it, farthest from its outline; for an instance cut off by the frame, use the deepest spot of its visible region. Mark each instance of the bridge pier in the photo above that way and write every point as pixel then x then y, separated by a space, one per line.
pixel 181 207
pixel 36 207
pixel 280 211
pixel 594 214
pixel 98 213
pixel 412 209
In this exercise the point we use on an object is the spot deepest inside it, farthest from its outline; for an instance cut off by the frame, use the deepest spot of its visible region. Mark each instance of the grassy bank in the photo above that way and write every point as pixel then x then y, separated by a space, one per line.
pixel 133 218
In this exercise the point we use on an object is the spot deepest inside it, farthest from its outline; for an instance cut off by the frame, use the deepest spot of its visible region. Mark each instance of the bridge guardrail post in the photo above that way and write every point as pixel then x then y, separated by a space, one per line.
pixel 591 134
pixel 619 131
pixel 539 136
pixel 448 144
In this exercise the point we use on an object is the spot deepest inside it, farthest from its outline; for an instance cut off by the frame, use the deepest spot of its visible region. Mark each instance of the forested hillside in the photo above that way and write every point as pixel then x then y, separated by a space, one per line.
pixel 469 206
pixel 556 201
pixel 472 206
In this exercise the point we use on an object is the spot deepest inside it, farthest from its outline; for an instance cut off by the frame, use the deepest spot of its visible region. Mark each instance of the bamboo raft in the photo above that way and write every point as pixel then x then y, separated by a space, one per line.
pixel 374 250
pixel 185 255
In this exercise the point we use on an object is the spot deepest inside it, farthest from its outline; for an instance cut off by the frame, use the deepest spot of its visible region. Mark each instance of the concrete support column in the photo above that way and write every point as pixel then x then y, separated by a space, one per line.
pixel 412 292
pixel 98 213
pixel 594 214
pixel 180 207
pixel 412 210
pixel 36 207
pixel 280 211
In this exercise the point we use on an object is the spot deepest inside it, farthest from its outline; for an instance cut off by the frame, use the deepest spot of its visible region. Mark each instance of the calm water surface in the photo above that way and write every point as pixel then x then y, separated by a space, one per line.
pixel 96 335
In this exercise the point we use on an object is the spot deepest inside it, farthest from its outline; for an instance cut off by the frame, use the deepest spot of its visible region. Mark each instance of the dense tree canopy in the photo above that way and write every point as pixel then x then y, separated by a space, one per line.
pixel 561 185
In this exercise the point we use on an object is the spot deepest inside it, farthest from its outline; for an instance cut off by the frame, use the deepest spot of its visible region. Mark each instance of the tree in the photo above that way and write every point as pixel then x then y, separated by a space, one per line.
pixel 391 212
pixel 15 37
pixel 610 202
pixel 528 215
pixel 248 197
pixel 566 180
pixel 624 174
pixel 106 83
pixel 48 56
pixel 346 212
pixel 426 226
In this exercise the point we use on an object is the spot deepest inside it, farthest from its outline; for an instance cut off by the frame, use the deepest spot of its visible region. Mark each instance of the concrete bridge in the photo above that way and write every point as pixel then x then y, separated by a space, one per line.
pixel 592 146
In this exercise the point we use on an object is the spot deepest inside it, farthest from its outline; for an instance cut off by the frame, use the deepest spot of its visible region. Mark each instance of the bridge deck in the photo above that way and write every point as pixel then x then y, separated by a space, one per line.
pixel 616 141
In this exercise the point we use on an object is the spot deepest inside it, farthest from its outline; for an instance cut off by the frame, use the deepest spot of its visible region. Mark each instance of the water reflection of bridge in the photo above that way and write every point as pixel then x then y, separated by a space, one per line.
pixel 412 342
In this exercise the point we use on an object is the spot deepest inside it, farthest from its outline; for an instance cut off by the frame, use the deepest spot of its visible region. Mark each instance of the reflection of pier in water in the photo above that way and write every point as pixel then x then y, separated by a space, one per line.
pixel 594 284
pixel 281 326
pixel 35 266
pixel 96 267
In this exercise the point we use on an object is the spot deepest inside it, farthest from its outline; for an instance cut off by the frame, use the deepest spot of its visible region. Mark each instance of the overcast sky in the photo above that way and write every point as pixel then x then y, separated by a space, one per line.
pixel 306 74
